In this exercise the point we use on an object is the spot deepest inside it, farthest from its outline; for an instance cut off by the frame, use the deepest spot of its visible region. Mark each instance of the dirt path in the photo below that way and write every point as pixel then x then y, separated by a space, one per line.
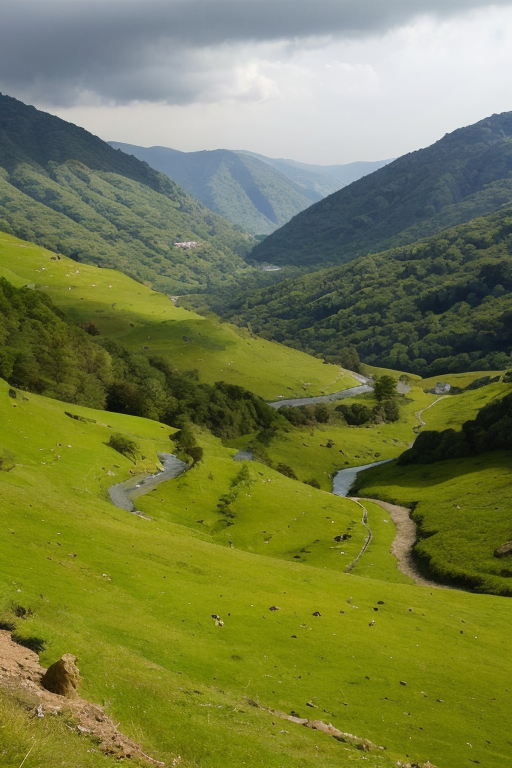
pixel 419 413
pixel 403 542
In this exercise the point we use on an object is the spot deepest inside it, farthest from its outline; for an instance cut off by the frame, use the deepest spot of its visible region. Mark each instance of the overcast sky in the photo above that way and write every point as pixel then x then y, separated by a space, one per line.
pixel 321 81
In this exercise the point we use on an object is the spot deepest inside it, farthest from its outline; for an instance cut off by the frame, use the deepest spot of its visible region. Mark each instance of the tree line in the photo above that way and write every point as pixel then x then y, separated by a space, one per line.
pixel 41 352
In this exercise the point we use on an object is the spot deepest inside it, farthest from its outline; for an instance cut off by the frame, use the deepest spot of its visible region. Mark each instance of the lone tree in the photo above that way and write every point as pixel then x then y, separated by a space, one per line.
pixel 384 388
pixel 124 445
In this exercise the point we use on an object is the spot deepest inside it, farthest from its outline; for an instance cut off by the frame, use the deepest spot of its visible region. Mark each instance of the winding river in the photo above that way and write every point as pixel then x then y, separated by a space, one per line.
pixel 123 494
pixel 297 401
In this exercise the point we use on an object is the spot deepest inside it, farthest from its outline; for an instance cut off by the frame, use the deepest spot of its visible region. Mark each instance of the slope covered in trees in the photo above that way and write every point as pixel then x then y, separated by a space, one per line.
pixel 64 188
pixel 466 174
pixel 441 305
pixel 242 188
pixel 43 353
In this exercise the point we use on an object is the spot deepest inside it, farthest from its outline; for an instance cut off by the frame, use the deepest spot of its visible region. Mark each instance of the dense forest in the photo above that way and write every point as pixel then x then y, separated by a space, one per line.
pixel 42 353
pixel 464 175
pixel 441 305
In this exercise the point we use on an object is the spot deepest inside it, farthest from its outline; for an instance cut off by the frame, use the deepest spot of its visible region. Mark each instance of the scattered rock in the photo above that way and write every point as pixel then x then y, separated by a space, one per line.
pixel 505 549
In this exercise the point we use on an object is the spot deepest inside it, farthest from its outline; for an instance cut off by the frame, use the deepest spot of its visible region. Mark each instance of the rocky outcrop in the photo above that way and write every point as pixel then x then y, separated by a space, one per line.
pixel 63 677
pixel 54 690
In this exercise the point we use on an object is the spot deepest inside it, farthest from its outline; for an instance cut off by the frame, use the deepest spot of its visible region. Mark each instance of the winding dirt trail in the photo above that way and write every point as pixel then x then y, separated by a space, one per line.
pixel 418 414
pixel 403 542
pixel 406 534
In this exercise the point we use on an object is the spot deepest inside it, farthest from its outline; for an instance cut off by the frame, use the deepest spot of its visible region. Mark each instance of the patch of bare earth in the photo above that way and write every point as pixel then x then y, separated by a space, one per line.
pixel 21 673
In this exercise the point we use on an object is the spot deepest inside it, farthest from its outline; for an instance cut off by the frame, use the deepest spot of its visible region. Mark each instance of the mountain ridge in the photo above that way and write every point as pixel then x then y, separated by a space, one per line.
pixel 71 192
pixel 468 171
pixel 251 190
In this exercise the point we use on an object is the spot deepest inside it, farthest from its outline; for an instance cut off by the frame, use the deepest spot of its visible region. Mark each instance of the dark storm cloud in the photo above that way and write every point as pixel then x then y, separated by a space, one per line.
pixel 154 50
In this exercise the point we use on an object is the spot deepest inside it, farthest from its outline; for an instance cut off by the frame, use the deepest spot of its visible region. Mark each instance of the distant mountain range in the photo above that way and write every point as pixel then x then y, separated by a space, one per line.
pixel 65 189
pixel 257 193
pixel 467 173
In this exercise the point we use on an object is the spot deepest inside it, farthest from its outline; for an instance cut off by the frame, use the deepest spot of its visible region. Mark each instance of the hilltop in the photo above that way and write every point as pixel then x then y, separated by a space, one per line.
pixel 67 190
pixel 320 180
pixel 466 174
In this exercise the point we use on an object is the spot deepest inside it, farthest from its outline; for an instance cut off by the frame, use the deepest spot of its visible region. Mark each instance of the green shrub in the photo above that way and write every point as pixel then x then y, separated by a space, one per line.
pixel 124 445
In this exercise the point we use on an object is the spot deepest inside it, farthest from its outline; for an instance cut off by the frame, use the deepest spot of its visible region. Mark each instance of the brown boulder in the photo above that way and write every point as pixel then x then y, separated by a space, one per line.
pixel 63 677
pixel 505 549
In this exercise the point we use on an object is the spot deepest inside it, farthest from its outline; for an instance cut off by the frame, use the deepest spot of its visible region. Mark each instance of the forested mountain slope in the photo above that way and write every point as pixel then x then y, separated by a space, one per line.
pixel 441 305
pixel 320 180
pixel 467 173
pixel 64 188
pixel 242 188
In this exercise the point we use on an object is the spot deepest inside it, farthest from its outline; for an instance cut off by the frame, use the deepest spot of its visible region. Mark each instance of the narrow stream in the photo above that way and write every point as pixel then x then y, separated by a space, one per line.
pixel 123 494
pixel 344 479
pixel 297 401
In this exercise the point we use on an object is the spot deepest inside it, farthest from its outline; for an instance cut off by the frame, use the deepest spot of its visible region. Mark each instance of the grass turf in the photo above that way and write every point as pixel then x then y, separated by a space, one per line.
pixel 147 321
pixel 135 606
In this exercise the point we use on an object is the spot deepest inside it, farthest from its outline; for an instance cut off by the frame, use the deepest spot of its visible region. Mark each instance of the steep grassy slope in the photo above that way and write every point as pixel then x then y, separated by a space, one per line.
pixel 441 305
pixel 69 191
pixel 149 322
pixel 239 187
pixel 465 174
pixel 135 606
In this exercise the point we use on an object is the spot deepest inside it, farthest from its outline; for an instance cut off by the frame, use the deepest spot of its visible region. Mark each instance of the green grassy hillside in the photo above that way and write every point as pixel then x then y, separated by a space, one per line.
pixel 464 175
pixel 135 606
pixel 317 450
pixel 71 192
pixel 149 322
pixel 461 506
